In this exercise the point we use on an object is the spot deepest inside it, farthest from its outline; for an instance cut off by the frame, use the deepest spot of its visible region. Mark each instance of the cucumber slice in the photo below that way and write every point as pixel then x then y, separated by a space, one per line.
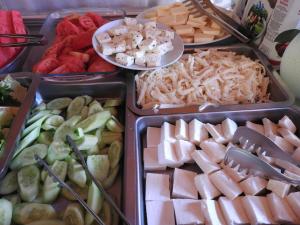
pixel 88 99
pixel 25 213
pixel 14 198
pixel 113 110
pixel 28 140
pixel 45 137
pixel 44 175
pixel 98 165
pixel 94 151
pixel 26 157
pixel 57 151
pixel 39 107
pixel 84 112
pixel 76 173
pixel 9 183
pixel 36 116
pixel 6 210
pixel 73 215
pixel 112 102
pixel 77 135
pixel 37 123
pixel 114 125
pixel 109 181
pixel 109 137
pixel 73 120
pixel 47 222
pixel 51 188
pixel 39 198
pixel 94 121
pixel 28 180
pixel 75 106
pixel 53 122
pixel 83 192
pixel 106 214
pixel 115 153
pixel 59 103
pixel 89 141
pixel 94 201
pixel 95 107
pixel 67 128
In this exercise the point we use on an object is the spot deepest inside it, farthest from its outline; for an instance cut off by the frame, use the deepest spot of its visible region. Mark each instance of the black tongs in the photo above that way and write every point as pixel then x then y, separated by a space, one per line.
pixel 30 40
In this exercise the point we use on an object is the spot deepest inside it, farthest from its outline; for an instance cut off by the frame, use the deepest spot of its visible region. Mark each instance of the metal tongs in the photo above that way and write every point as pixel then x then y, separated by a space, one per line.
pixel 227 23
pixel 246 162
pixel 76 195
pixel 32 40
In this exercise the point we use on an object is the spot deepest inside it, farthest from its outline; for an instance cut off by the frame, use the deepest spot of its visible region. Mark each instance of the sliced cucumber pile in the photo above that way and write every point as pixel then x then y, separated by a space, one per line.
pixel 28 191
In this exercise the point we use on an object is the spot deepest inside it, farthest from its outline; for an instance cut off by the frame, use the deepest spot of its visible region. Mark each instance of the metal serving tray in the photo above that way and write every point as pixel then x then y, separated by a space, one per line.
pixel 49 26
pixel 31 81
pixel 280 96
pixel 139 125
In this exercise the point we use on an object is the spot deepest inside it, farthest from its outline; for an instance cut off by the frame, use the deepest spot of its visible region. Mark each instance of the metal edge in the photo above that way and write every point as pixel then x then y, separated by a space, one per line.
pixel 132 96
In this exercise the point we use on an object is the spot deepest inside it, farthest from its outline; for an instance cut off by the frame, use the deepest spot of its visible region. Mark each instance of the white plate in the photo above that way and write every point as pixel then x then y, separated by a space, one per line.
pixel 167 59
pixel 141 16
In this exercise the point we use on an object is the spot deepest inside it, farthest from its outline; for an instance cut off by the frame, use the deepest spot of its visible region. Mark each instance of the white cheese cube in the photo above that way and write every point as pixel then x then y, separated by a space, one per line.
pixel 229 127
pixel 160 212
pixel 293 200
pixel 257 210
pixel 138 27
pixel 150 24
pixel 136 38
pixel 167 155
pixel 157 187
pixel 136 53
pixel 103 38
pixel 130 21
pixel 120 38
pixel 253 185
pixel 216 133
pixel 296 155
pixel 167 132
pixel 107 48
pixel 163 48
pixel 282 143
pixel 118 30
pixel 214 150
pixel 188 211
pixel 234 174
pixel 270 128
pixel 281 211
pixel 204 162
pixel 205 188
pixel 153 136
pixel 151 160
pixel 166 36
pixel 233 211
pixel 256 127
pixel 120 46
pixel 212 212
pixel 225 184
pixel 278 187
pixel 152 59
pixel 184 149
pixel 152 33
pixel 183 184
pixel 124 59
pixel 181 130
pixel 147 45
pixel 286 122
pixel 197 131
pixel 141 61
pixel 289 136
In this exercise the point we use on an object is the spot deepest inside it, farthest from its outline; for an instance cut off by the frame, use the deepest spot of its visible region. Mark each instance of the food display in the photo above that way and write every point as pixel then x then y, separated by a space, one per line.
pixel 207 76
pixel 187 181
pixel 72 51
pixel 191 28
pixel 94 127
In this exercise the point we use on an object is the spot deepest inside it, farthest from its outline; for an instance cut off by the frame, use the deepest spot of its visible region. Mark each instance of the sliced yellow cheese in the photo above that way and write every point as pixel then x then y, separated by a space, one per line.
pixel 211 31
pixel 200 37
pixel 186 30
pixel 181 10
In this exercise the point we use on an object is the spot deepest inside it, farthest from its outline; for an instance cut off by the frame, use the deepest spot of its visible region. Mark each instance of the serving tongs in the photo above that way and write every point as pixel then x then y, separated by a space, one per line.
pixel 207 8
pixel 76 195
pixel 246 162
pixel 31 40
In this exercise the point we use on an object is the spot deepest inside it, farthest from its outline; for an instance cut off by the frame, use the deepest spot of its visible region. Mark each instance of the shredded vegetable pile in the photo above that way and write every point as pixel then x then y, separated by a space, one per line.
pixel 210 76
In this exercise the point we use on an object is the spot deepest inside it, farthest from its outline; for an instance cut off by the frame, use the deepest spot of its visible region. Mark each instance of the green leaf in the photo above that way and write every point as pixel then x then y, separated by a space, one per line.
pixel 287 36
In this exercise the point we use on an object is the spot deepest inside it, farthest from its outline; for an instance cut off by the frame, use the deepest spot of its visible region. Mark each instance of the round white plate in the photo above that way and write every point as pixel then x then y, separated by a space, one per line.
pixel 141 16
pixel 167 59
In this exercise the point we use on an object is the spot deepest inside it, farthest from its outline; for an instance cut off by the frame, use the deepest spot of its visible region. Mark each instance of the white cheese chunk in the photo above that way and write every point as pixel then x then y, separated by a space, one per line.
pixel 136 53
pixel 286 122
pixel 120 38
pixel 204 162
pixel 205 188
pixel 150 25
pixel 257 210
pixel 216 132
pixel 138 27
pixel 108 48
pixel 256 127
pixel 214 150
pixel 166 36
pixel 118 30
pixel 167 132
pixel 282 143
pixel 167 155
pixel 296 155
pixel 120 47
pixel 293 200
pixel 229 127
pixel 147 45
pixel 141 61
pixel 281 211
pixel 152 33
pixel 253 185
pixel 183 184
pixel 153 136
pixel 212 212
pixel 163 48
pixel 270 128
pixel 151 160
pixel 280 188
pixel 233 211
pixel 197 131
pixel 233 173
pixel 103 38
pixel 153 59
pixel 160 212
pixel 130 21
pixel 225 184
pixel 188 211
pixel 289 136
pixel 124 59
pixel 157 187
pixel 136 38
pixel 184 149
pixel 181 130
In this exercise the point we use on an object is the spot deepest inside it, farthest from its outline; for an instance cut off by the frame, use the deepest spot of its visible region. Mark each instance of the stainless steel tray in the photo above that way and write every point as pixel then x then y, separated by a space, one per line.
pixel 280 96
pixel 140 124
